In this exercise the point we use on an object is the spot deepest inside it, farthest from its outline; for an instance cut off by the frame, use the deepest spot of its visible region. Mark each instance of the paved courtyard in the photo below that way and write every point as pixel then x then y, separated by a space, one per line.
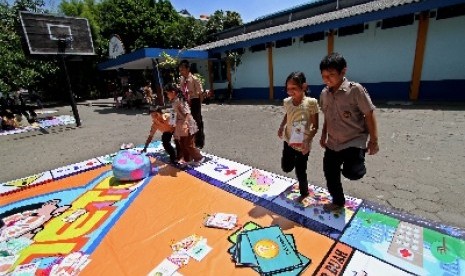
pixel 419 169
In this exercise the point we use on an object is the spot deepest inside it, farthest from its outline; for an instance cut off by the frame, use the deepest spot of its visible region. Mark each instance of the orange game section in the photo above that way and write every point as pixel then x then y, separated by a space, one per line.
pixel 336 261
pixel 171 207
pixel 77 180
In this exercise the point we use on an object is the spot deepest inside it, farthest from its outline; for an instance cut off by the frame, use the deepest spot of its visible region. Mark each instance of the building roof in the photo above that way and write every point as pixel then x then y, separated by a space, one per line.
pixel 144 58
pixel 374 10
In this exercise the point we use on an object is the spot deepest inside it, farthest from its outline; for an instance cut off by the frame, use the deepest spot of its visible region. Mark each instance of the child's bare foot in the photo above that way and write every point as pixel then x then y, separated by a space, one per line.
pixel 331 207
pixel 301 198
pixel 197 163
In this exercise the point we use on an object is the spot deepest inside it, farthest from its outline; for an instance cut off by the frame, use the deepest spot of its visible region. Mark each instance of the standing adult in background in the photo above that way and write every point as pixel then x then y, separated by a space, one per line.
pixel 349 121
pixel 192 91
pixel 148 94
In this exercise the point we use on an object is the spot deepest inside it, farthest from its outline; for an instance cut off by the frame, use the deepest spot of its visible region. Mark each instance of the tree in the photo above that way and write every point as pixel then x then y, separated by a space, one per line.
pixel 145 23
pixel 231 20
pixel 221 20
pixel 88 9
pixel 16 68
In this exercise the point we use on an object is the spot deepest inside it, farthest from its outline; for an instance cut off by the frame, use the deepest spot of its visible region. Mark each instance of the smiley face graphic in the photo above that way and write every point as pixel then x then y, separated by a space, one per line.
pixel 266 249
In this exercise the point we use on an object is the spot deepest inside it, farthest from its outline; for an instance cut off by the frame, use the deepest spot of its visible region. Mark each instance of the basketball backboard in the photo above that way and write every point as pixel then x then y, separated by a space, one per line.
pixel 48 34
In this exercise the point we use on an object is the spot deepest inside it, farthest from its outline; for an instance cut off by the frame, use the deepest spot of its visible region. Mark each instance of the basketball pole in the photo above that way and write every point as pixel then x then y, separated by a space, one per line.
pixel 156 70
pixel 62 43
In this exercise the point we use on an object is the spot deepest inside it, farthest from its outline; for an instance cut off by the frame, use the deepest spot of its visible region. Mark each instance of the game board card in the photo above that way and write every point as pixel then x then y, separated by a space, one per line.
pixel 220 168
pixel 262 183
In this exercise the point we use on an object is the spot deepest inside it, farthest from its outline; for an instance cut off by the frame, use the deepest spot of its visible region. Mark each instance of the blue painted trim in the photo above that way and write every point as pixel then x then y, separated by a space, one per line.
pixel 343 22
pixel 152 53
pixel 388 91
pixel 444 90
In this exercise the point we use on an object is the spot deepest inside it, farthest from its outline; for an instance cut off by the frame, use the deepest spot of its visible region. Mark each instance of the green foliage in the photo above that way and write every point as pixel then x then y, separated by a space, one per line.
pixel 139 23
pixel 200 78
pixel 90 10
pixel 234 59
pixel 220 21
pixel 16 69
pixel 169 62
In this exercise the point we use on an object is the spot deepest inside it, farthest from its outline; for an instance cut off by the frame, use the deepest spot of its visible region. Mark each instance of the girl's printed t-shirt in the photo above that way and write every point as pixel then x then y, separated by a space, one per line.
pixel 184 125
pixel 298 121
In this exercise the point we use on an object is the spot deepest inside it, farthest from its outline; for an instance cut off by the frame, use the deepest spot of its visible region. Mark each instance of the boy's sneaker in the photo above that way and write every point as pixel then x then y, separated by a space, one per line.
pixel 301 198
pixel 331 207
pixel 174 162
pixel 197 163
pixel 180 164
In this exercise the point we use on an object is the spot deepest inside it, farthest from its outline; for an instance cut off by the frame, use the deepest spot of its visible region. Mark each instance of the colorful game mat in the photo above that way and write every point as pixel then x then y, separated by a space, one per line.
pixel 47 122
pixel 79 219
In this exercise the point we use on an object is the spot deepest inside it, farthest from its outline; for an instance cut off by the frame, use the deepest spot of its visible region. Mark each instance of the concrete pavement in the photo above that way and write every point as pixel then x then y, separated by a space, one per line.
pixel 419 169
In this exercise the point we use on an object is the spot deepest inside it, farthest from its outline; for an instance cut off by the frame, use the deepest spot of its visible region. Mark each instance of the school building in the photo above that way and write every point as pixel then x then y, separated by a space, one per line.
pixel 400 50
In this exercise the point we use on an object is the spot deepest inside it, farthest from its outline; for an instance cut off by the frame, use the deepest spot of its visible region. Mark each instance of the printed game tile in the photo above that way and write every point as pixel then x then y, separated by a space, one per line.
pixel 262 183
pixel 221 169
pixel 24 182
pixel 76 168
pixel 106 159
pixel 155 146
pixel 362 264
pixel 312 206
pixel 42 123
pixel 46 111
pixel 47 223
pixel 344 260
pixel 412 247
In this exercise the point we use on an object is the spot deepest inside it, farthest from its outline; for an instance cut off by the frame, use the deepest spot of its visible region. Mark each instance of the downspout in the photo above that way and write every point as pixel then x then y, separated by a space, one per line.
pixel 157 77
pixel 270 70
pixel 228 77
pixel 210 76
pixel 419 55
pixel 330 41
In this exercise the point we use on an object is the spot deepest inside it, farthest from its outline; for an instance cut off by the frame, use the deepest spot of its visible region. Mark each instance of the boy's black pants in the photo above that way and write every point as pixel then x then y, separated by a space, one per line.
pixel 166 142
pixel 295 159
pixel 196 111
pixel 352 161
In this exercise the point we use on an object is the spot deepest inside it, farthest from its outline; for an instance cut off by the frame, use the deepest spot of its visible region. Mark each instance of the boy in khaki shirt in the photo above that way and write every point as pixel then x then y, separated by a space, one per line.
pixel 349 128
pixel 161 122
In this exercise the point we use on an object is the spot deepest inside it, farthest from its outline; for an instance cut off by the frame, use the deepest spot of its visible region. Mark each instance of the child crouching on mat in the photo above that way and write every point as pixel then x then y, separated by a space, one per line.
pixel 161 122
pixel 185 127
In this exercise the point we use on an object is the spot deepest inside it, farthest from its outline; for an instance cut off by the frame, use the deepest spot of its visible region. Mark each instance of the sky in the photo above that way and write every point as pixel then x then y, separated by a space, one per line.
pixel 248 9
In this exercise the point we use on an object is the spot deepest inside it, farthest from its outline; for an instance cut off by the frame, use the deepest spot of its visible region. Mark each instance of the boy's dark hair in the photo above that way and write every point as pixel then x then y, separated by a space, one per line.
pixel 333 61
pixel 175 88
pixel 185 63
pixel 147 82
pixel 297 77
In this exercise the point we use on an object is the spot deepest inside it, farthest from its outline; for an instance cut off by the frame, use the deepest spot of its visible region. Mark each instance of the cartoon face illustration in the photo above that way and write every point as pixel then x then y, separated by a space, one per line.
pixel 265 180
pixel 26 221
pixel 258 182
pixel 267 249
pixel 249 182
pixel 260 188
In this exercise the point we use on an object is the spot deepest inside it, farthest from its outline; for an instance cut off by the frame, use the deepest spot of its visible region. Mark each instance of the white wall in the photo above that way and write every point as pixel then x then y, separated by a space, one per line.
pixel 374 56
pixel 378 55
pixel 253 70
pixel 445 49
pixel 202 68
pixel 300 56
